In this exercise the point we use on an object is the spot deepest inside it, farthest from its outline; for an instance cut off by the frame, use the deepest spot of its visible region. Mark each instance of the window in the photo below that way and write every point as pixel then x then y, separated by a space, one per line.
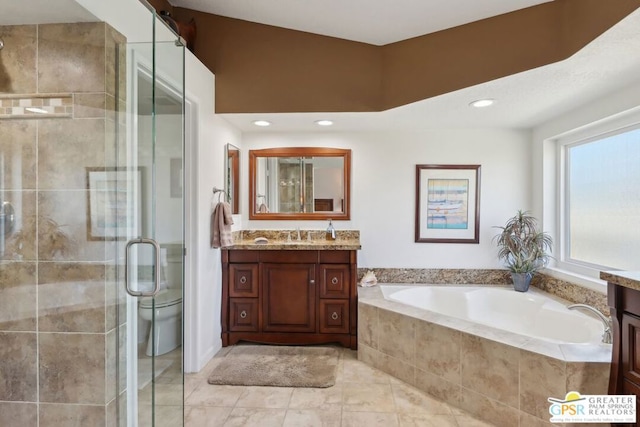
pixel 600 219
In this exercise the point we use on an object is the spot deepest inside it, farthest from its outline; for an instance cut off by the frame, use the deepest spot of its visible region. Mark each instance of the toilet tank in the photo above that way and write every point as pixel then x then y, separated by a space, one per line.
pixel 174 260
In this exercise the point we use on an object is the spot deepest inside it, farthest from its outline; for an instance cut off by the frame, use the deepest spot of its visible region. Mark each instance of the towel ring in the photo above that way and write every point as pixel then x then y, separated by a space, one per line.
pixel 219 191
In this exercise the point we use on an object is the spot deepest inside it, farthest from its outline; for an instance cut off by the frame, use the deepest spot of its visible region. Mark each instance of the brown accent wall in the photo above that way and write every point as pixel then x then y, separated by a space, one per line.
pixel 261 68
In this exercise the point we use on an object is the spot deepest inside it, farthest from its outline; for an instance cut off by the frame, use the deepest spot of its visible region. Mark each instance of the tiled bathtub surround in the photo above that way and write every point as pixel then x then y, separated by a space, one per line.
pixel 497 376
pixel 57 293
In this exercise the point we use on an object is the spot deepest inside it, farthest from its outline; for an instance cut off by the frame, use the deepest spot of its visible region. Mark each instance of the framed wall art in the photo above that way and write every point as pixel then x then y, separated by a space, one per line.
pixel 447 203
pixel 113 203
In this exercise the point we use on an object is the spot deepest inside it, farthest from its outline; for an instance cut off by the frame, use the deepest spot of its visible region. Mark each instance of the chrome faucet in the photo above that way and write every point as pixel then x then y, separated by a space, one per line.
pixel 607 338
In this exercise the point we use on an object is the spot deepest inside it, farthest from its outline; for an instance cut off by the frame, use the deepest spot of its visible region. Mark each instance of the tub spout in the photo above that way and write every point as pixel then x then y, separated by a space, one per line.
pixel 607 338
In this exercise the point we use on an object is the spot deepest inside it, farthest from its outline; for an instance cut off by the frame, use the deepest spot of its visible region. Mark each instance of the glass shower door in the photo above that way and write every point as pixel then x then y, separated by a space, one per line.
pixel 150 157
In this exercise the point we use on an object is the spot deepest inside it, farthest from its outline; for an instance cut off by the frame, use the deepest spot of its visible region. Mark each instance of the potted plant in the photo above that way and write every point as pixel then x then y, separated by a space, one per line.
pixel 523 248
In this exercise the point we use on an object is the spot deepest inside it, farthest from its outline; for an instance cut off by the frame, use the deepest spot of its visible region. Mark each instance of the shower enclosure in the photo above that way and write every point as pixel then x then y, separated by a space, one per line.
pixel 91 222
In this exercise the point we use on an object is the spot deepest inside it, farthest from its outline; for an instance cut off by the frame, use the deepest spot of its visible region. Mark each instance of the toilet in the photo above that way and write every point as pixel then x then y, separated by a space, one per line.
pixel 168 305
pixel 168 311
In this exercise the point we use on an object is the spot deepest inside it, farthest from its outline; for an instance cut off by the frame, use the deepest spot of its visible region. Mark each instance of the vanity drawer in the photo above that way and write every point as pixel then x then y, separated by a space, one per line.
pixel 334 316
pixel 243 280
pixel 335 280
pixel 243 314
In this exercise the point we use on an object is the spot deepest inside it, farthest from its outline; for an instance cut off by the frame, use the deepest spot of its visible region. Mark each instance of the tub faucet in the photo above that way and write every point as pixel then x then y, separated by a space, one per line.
pixel 607 338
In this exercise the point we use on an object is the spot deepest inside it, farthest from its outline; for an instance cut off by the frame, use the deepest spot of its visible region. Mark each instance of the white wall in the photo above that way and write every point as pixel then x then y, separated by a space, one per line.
pixel 383 189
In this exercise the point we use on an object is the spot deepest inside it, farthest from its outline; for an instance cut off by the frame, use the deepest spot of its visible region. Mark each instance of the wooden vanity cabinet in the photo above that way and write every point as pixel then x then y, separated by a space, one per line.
pixel 289 296
pixel 624 377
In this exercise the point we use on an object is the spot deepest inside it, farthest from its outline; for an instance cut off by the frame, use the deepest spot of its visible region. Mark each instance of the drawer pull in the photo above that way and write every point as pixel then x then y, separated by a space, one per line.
pixel 334 316
pixel 243 279
pixel 334 281
pixel 312 282
pixel 243 314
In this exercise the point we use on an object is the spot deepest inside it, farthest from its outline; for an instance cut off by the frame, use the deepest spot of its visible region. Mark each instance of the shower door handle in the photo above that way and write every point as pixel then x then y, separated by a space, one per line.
pixel 156 275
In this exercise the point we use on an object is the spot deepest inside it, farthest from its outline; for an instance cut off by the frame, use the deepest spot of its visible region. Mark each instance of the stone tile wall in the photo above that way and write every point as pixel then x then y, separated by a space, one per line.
pixel 57 293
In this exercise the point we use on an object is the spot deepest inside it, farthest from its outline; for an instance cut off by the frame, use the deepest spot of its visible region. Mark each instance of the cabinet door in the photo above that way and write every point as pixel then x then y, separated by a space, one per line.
pixel 630 335
pixel 243 314
pixel 334 316
pixel 288 297
pixel 243 280
pixel 334 281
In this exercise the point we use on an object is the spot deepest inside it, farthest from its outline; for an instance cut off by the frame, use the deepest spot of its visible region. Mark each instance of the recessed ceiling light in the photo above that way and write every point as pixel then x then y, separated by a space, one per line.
pixel 36 110
pixel 482 103
pixel 324 122
pixel 262 123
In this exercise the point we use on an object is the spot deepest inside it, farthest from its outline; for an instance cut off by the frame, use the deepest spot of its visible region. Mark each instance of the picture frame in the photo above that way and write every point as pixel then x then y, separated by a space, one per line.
pixel 113 203
pixel 447 204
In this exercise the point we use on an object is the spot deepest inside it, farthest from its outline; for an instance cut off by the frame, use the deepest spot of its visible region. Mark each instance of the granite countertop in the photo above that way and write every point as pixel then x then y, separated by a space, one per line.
pixel 628 279
pixel 351 244
pixel 287 239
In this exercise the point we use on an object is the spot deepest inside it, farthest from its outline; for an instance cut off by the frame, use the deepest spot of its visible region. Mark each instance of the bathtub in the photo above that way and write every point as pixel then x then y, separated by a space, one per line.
pixel 493 352
pixel 529 314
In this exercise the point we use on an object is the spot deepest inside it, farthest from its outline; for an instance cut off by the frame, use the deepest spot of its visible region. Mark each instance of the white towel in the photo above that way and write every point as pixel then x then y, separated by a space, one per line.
pixel 221 221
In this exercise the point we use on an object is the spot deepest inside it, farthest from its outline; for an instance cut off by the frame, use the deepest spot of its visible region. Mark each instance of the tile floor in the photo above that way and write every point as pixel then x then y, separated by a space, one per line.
pixel 361 397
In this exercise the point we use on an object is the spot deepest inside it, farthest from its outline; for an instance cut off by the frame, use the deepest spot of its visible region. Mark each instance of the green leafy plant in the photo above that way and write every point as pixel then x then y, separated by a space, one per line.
pixel 522 246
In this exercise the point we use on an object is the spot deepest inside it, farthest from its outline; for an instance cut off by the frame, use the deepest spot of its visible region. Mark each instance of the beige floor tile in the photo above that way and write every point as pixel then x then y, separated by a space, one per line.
pixel 307 398
pixel 190 384
pixel 265 397
pixel 363 397
pixel 469 421
pixel 427 420
pixel 327 416
pixel 411 400
pixel 367 397
pixel 169 394
pixel 205 416
pixel 214 395
pixel 356 371
pixel 255 417
pixel 369 419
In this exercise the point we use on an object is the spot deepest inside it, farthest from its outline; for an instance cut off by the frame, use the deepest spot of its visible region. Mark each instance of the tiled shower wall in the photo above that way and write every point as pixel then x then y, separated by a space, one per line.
pixel 57 293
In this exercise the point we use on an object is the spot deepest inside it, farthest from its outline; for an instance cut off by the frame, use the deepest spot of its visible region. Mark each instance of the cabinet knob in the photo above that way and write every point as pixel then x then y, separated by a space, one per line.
pixel 312 282
pixel 243 279
pixel 243 314
pixel 334 316
pixel 334 281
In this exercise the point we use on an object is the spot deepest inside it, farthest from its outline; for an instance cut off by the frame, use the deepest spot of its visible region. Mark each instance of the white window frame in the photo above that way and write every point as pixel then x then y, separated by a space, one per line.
pixel 599 130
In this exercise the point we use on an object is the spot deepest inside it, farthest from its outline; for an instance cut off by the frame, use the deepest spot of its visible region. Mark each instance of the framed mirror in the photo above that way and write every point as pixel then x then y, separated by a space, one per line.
pixel 299 183
pixel 232 178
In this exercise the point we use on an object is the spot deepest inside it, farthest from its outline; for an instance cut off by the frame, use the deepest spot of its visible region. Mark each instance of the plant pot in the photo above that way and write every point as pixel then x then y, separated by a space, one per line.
pixel 521 281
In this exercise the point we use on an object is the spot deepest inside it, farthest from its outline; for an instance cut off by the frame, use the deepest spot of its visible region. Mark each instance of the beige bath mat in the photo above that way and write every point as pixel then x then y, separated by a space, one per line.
pixel 278 366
